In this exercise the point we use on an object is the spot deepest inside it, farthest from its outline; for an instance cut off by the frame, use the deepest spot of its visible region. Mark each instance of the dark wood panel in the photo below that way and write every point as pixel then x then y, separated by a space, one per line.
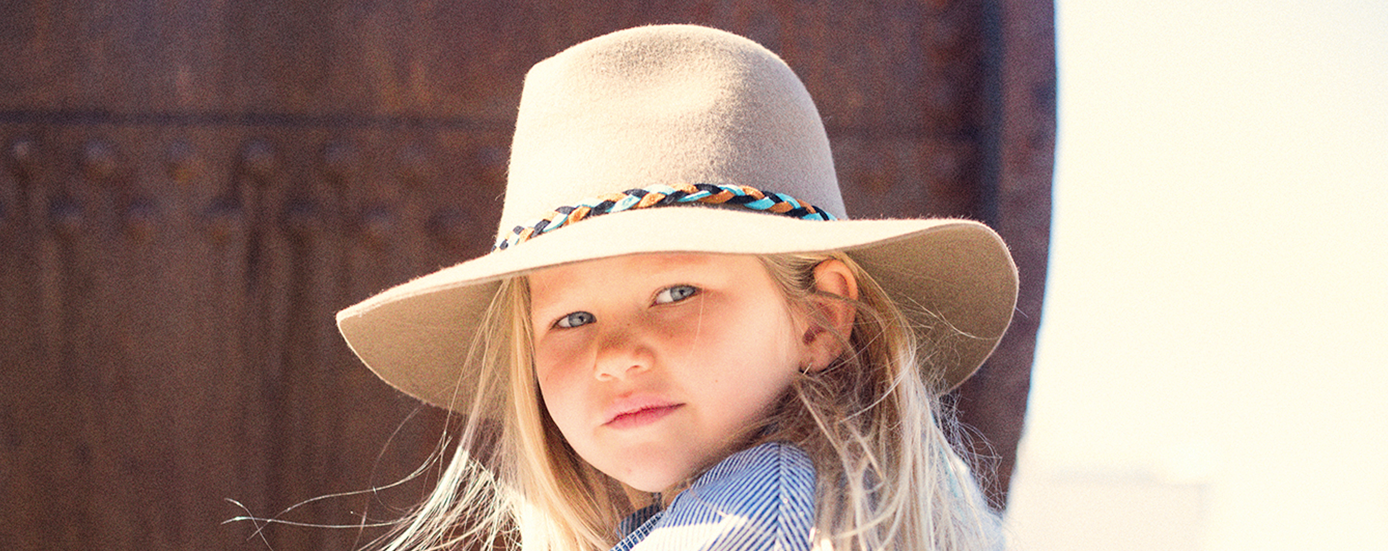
pixel 1017 174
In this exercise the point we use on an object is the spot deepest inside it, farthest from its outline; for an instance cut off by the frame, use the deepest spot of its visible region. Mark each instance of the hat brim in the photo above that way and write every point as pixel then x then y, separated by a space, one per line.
pixel 954 279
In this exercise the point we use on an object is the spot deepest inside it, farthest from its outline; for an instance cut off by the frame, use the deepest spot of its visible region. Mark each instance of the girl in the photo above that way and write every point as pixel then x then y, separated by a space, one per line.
pixel 678 341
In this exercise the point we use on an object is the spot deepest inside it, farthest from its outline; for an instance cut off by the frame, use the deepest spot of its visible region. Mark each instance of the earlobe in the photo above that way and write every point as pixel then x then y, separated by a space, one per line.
pixel 828 330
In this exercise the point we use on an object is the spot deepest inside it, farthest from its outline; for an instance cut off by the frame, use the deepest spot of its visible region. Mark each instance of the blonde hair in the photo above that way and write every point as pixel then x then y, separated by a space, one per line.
pixel 887 476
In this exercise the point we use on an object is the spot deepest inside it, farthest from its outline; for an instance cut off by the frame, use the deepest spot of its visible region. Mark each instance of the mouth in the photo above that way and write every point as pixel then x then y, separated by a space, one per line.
pixel 627 414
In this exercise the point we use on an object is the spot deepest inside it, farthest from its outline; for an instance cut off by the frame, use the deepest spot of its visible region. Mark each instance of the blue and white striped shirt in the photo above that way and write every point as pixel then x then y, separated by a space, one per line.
pixel 759 499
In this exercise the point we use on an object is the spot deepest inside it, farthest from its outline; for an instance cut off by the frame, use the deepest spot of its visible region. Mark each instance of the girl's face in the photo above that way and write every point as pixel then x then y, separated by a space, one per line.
pixel 655 366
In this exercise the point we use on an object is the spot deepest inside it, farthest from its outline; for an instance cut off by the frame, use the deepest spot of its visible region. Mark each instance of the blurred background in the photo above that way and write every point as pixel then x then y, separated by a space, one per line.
pixel 191 189
pixel 1212 366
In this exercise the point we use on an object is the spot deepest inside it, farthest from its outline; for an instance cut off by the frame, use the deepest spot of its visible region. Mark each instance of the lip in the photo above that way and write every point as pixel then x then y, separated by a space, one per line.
pixel 637 411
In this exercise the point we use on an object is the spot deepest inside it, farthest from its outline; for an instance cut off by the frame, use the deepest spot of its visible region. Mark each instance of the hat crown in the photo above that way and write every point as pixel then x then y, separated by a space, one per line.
pixel 664 105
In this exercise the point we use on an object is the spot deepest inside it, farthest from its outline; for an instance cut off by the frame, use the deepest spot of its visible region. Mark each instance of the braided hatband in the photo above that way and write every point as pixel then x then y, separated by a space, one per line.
pixel 660 196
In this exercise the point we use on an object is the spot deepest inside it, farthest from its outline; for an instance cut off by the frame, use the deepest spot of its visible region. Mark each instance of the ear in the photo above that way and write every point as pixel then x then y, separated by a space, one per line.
pixel 832 321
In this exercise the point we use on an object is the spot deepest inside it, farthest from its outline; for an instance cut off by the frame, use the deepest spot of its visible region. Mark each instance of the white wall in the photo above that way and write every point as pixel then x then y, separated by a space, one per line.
pixel 1217 310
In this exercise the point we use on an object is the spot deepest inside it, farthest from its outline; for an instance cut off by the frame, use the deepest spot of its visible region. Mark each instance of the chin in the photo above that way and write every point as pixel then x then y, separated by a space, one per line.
pixel 652 477
pixel 653 469
pixel 650 482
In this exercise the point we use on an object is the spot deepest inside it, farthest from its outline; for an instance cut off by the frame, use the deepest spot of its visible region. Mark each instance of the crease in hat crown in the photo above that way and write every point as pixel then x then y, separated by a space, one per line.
pixel 661 105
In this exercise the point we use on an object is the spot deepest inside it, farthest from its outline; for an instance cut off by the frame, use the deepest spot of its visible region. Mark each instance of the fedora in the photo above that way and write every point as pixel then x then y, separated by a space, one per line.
pixel 679 138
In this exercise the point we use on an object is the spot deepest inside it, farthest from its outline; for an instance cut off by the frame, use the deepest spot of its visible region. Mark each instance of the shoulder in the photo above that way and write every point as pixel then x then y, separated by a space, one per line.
pixel 759 498
pixel 774 467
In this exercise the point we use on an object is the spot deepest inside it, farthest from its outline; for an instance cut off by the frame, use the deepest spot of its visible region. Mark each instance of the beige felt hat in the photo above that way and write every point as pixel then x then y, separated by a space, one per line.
pixel 680 138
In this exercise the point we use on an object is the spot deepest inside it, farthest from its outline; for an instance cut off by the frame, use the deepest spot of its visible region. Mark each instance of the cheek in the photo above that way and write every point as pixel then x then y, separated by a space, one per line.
pixel 755 351
pixel 555 356
pixel 555 378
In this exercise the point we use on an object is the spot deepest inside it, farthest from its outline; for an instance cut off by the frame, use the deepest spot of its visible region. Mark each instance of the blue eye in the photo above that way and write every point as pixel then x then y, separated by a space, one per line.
pixel 675 294
pixel 575 319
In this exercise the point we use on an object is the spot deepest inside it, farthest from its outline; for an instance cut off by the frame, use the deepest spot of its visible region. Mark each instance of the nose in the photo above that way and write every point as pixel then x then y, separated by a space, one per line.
pixel 621 353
